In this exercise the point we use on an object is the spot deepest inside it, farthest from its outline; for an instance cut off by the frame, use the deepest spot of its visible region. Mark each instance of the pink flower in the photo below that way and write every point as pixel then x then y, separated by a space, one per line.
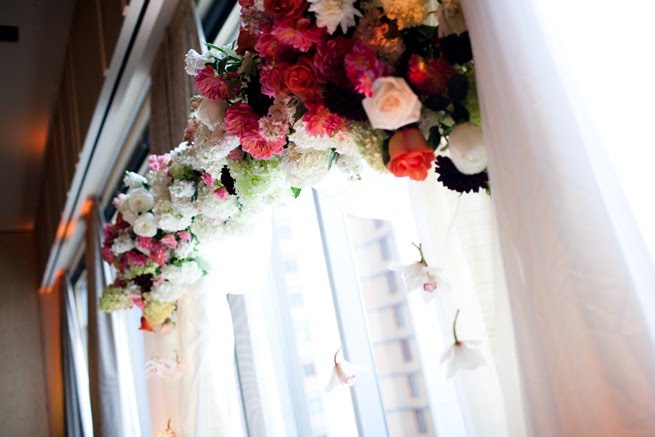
pixel 236 155
pixel 221 193
pixel 107 254
pixel 207 179
pixel 213 86
pixel 135 258
pixel 319 121
pixel 184 235
pixel 300 34
pixel 159 254
pixel 169 241
pixel 240 118
pixel 159 162
pixel 138 301
pixel 268 46
pixel 363 67
pixel 272 80
pixel 145 244
pixel 259 147
pixel 109 233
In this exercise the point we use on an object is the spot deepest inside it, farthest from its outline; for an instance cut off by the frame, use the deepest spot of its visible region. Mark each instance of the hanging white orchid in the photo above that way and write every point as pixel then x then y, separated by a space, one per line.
pixel 420 276
pixel 462 354
pixel 344 373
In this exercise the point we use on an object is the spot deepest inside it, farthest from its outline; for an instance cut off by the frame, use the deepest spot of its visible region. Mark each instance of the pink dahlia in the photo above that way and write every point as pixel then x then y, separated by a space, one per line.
pixel 260 148
pixel 363 67
pixel 240 118
pixel 300 34
pixel 319 121
pixel 213 86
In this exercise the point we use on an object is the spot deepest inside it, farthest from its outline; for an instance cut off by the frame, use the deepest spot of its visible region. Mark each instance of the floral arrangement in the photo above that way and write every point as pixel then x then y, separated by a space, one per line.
pixel 309 86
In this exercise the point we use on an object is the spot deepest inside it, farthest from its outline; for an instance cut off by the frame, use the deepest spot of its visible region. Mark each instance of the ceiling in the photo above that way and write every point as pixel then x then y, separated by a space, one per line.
pixel 29 80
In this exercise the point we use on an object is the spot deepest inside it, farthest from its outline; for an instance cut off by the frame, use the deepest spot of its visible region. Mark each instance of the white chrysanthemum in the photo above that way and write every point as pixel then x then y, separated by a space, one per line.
pixel 334 13
pixel 159 182
pixel 187 273
pixel 304 167
pixel 342 142
pixel 134 180
pixel 123 243
pixel 212 206
pixel 140 200
pixel 145 225
pixel 209 156
pixel 181 189
pixel 195 62
pixel 168 292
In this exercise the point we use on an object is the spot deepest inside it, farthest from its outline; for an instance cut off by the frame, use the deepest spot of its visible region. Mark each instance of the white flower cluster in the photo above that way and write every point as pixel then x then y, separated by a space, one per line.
pixel 135 206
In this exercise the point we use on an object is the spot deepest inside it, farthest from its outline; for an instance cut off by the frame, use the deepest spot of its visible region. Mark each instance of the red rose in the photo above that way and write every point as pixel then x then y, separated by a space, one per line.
pixel 245 42
pixel 285 8
pixel 429 77
pixel 300 79
pixel 410 154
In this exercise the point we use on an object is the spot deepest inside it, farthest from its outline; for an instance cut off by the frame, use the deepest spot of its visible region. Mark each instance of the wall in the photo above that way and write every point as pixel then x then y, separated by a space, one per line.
pixel 22 387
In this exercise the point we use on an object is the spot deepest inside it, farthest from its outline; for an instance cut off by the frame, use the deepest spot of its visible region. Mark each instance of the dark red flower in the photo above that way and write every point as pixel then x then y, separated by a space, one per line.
pixel 300 34
pixel 282 9
pixel 241 118
pixel 300 80
pixel 329 61
pixel 429 77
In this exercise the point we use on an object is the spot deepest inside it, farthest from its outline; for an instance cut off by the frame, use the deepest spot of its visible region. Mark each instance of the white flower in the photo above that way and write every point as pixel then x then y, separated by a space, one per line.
pixel 211 112
pixel 184 249
pixel 182 189
pixel 214 207
pixel 450 18
pixel 169 218
pixel 344 373
pixel 187 273
pixel 134 180
pixel 304 167
pixel 123 243
pixel 145 225
pixel 333 13
pixel 342 142
pixel 195 62
pixel 392 105
pixel 168 292
pixel 467 150
pixel 462 355
pixel 140 200
pixel 420 276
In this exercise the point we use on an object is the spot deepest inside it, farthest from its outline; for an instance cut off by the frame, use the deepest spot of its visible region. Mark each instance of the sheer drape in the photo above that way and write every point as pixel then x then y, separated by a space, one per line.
pixel 77 405
pixel 113 400
pixel 580 282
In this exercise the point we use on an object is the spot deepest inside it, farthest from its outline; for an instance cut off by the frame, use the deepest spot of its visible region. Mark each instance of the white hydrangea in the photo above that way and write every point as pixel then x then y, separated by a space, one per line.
pixel 353 166
pixel 159 182
pixel 260 183
pixel 195 62
pixel 187 273
pixel 123 243
pixel 168 292
pixel 206 229
pixel 134 180
pixel 184 249
pixel 304 167
pixel 212 206
pixel 182 189
pixel 342 142
pixel 169 217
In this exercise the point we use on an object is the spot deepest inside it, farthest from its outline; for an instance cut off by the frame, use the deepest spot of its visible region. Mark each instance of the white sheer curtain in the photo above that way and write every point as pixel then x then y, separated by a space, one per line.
pixel 565 90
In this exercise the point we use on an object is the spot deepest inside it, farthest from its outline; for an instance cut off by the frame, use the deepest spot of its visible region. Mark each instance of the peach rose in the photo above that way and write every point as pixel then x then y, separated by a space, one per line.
pixel 392 105
pixel 410 154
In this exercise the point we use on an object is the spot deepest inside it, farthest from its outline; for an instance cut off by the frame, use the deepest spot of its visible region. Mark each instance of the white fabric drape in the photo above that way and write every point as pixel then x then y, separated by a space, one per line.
pixel 580 281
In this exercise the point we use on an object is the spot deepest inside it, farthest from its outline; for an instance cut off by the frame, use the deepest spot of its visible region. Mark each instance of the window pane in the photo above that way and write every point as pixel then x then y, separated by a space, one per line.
pixel 406 405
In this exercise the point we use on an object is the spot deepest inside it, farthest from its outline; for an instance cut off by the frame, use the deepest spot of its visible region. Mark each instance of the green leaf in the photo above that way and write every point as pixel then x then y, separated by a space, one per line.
pixel 332 158
pixel 434 139
pixel 296 192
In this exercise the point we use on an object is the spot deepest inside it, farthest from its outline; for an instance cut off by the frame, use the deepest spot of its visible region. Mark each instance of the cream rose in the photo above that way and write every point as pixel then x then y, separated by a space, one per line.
pixel 211 112
pixel 467 148
pixel 140 200
pixel 134 180
pixel 392 105
pixel 145 225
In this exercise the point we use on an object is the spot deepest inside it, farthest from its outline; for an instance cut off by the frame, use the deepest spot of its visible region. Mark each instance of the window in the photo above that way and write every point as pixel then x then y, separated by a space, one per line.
pixel 385 252
pixel 414 390
pixel 421 425
pixel 392 284
pixel 406 350
pixel 398 315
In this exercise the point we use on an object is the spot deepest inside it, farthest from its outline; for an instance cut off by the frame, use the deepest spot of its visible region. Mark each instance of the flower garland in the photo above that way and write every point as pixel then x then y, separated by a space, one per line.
pixel 308 87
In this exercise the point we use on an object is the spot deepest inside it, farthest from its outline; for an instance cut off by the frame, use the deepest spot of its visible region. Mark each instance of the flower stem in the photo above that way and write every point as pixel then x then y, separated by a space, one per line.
pixel 337 353
pixel 455 328
pixel 420 251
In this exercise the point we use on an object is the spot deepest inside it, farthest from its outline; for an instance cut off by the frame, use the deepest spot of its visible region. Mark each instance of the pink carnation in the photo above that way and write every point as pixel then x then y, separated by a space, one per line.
pixel 213 86
pixel 363 67
pixel 159 162
pixel 145 244
pixel 134 258
pixel 159 254
pixel 319 121
pixel 300 34
pixel 240 118
pixel 221 193
pixel 184 235
pixel 107 254
pixel 109 233
pixel 259 148
pixel 169 241
pixel 236 155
